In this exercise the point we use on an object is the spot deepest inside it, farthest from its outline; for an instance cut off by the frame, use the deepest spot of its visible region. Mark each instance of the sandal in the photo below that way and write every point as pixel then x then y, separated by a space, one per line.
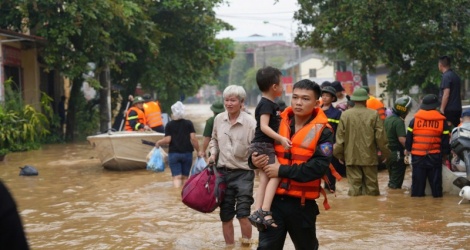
pixel 257 220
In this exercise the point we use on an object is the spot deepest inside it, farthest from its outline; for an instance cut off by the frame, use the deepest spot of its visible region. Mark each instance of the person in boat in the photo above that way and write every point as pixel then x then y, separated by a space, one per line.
pixel 181 136
pixel 217 108
pixel 232 134
pixel 427 140
pixel 300 168
pixel 153 114
pixel 135 117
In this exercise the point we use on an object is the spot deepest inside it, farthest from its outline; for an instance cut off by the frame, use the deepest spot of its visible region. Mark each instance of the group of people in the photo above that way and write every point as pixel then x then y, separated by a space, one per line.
pixel 294 149
pixel 144 115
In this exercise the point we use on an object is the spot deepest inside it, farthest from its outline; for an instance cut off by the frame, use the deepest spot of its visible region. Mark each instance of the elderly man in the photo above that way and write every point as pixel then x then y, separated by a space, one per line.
pixel 360 133
pixel 232 134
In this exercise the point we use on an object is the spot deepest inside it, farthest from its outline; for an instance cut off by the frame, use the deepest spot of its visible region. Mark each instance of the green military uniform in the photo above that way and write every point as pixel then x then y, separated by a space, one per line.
pixel 208 128
pixel 360 133
pixel 395 127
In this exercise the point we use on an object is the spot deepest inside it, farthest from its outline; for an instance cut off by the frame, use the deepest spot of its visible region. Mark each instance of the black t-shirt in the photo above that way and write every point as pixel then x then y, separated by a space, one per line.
pixel 266 106
pixel 12 235
pixel 450 80
pixel 180 131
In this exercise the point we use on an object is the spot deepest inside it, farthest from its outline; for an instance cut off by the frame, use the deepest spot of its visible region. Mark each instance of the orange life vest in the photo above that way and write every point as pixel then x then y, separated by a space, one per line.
pixel 140 119
pixel 427 130
pixel 376 104
pixel 153 114
pixel 304 143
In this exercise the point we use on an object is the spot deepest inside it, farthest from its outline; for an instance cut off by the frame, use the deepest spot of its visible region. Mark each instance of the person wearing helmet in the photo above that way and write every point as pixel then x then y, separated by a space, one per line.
pixel 396 134
pixel 135 117
pixel 328 95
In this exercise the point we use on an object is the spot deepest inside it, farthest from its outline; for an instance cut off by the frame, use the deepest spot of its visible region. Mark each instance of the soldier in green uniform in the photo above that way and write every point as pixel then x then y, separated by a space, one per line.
pixel 360 133
pixel 396 134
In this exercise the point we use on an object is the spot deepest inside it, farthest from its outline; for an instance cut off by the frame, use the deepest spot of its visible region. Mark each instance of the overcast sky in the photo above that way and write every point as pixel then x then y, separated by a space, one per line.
pixel 263 17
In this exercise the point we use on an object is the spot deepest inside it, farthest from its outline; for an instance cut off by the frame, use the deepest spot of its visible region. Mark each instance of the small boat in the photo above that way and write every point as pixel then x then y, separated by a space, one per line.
pixel 124 150
pixel 448 178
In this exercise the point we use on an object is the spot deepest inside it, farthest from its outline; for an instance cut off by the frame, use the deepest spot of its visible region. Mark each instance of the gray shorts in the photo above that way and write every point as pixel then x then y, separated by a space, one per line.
pixel 238 195
pixel 263 148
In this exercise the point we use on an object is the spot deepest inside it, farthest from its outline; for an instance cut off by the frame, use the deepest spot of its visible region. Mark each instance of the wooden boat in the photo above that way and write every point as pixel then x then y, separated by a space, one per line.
pixel 123 150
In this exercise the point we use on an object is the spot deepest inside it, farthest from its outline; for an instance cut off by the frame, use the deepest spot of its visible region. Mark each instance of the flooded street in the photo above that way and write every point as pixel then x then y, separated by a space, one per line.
pixel 76 204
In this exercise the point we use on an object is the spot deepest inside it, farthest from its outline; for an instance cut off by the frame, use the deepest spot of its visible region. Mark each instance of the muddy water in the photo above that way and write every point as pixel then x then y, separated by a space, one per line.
pixel 75 204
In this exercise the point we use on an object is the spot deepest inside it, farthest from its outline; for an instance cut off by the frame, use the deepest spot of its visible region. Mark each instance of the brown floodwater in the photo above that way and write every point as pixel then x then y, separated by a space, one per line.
pixel 76 204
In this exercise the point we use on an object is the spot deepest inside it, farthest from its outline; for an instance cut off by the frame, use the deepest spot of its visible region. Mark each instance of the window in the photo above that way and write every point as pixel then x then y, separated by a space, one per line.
pixel 312 72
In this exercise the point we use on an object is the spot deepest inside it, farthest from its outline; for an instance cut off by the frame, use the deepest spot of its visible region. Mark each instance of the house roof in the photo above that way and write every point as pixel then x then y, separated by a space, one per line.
pixel 255 38
pixel 13 36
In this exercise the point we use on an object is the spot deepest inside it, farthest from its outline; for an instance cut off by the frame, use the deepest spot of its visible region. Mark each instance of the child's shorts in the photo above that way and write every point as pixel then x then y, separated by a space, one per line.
pixel 263 148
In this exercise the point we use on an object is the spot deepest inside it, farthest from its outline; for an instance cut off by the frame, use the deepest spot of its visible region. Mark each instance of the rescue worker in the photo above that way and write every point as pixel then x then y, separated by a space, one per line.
pixel 396 134
pixel 329 96
pixel 153 114
pixel 217 108
pixel 360 133
pixel 375 104
pixel 301 168
pixel 427 140
pixel 135 117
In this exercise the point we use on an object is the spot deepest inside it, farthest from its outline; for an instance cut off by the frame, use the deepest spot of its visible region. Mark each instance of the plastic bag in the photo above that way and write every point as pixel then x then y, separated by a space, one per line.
pixel 155 163
pixel 164 154
pixel 198 166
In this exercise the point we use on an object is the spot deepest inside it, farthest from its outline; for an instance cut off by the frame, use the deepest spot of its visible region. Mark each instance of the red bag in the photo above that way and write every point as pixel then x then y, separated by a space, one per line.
pixel 204 191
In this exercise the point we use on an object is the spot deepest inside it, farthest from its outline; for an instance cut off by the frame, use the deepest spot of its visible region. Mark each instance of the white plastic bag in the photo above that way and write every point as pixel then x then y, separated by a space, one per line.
pixel 198 166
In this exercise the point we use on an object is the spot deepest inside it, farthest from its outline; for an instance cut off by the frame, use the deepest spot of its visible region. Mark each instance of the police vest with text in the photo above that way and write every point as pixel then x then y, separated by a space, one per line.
pixel 304 143
pixel 427 130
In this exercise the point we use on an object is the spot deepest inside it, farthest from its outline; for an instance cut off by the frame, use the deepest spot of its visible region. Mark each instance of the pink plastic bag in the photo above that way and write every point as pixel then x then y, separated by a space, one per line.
pixel 204 191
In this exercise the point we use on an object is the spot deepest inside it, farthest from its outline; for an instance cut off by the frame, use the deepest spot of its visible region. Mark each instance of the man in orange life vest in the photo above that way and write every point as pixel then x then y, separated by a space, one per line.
pixel 301 168
pixel 153 114
pixel 135 118
pixel 428 141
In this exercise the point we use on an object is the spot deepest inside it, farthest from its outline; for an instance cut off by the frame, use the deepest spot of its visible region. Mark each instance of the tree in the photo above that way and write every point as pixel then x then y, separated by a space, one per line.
pixel 406 36
pixel 189 55
pixel 169 46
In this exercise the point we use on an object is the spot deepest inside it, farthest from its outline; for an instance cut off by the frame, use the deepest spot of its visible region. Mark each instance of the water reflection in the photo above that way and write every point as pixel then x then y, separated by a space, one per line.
pixel 75 204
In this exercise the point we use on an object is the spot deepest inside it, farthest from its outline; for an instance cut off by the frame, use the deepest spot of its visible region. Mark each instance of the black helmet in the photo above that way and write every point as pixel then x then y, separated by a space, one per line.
pixel 402 106
pixel 330 90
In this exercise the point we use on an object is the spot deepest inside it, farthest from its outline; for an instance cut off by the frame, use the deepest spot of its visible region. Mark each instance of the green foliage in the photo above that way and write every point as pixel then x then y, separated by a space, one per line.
pixel 406 36
pixel 168 46
pixel 22 126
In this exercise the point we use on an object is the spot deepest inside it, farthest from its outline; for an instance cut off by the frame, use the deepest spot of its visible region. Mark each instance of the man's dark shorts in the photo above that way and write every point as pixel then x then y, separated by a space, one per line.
pixel 238 195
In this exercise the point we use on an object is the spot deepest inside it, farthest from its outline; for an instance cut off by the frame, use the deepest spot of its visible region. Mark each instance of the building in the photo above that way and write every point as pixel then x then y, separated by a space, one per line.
pixel 21 62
